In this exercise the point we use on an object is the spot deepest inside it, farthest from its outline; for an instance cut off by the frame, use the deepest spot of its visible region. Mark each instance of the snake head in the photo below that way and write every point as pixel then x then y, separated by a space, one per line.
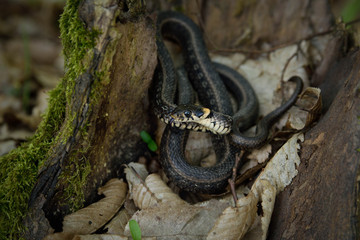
pixel 199 118
pixel 189 113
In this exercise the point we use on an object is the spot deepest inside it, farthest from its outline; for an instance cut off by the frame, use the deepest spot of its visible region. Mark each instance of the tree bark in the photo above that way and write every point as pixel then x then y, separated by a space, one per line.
pixel 105 112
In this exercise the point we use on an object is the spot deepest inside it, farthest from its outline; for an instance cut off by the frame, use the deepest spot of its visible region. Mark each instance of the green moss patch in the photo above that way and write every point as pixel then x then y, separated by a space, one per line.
pixel 19 168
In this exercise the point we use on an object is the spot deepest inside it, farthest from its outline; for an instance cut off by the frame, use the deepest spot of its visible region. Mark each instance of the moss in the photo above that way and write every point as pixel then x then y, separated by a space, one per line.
pixel 78 46
pixel 76 177
pixel 78 43
pixel 19 168
pixel 75 174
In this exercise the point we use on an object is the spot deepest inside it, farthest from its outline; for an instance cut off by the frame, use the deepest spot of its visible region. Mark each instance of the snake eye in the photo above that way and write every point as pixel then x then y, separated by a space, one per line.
pixel 187 113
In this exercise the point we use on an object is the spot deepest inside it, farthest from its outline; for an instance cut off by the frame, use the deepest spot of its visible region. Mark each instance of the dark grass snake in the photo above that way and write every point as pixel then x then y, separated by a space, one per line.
pixel 210 81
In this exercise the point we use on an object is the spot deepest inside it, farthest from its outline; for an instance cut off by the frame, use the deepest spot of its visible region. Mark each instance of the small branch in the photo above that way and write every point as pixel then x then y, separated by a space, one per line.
pixel 234 175
pixel 286 65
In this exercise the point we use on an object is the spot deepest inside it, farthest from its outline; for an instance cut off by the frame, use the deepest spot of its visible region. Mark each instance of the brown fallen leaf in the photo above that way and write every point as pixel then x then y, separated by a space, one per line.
pixel 173 221
pixel 150 192
pixel 234 222
pixel 88 220
pixel 91 218
pixel 309 106
pixel 118 223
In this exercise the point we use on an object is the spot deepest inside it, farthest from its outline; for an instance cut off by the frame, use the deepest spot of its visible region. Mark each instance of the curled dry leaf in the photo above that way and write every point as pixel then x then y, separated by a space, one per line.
pixel 150 192
pixel 143 197
pixel 309 106
pixel 135 174
pixel 164 219
pixel 157 186
pixel 91 218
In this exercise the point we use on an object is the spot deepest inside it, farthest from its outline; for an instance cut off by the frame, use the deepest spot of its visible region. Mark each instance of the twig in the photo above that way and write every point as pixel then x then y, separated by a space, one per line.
pixel 234 175
pixel 286 65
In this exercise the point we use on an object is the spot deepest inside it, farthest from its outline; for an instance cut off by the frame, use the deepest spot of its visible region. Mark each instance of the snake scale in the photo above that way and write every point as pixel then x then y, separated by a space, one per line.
pixel 210 81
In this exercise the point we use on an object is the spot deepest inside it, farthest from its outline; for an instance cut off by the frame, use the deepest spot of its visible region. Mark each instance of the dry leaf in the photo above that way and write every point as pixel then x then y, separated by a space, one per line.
pixel 59 236
pixel 281 169
pixel 278 174
pixel 235 221
pixel 153 192
pixel 100 237
pixel 118 223
pixel 135 174
pixel 266 202
pixel 260 155
pixel 150 192
pixel 173 221
pixel 165 215
pixel 308 110
pixel 91 218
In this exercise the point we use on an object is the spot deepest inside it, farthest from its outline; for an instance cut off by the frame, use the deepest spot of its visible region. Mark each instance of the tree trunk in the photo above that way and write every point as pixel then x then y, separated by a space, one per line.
pixel 104 113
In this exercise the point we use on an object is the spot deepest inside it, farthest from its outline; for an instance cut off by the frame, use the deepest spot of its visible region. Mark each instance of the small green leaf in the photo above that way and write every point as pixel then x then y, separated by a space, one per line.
pixel 145 136
pixel 135 230
pixel 152 146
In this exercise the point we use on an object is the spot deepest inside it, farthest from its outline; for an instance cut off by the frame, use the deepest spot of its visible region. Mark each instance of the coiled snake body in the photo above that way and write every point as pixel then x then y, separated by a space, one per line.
pixel 215 115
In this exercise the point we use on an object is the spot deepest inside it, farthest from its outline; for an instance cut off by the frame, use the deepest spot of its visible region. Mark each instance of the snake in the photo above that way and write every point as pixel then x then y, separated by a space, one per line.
pixel 211 82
